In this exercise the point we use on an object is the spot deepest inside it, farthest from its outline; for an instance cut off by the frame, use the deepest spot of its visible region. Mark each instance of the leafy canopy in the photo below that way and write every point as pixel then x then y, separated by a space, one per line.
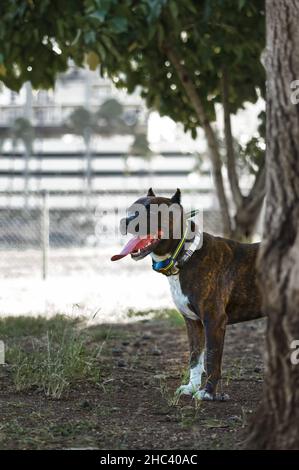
pixel 129 40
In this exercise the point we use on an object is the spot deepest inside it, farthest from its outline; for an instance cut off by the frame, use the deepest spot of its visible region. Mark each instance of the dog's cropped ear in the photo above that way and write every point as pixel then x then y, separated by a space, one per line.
pixel 176 198
pixel 151 193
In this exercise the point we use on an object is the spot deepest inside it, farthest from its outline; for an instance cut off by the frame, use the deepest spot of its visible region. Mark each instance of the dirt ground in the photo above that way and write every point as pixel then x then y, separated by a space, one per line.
pixel 133 405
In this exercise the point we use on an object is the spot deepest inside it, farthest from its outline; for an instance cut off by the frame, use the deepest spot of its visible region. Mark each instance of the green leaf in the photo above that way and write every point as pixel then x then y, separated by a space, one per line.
pixel 101 51
pixel 110 47
pixel 161 34
pixel 155 9
pixel 93 60
pixel 2 70
pixel 77 37
pixel 99 15
pixel 174 9
pixel 133 46
pixel 90 37
pixel 119 24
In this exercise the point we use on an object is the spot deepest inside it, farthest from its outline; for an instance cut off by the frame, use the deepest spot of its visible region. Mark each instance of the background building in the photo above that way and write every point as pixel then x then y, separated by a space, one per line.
pixel 44 145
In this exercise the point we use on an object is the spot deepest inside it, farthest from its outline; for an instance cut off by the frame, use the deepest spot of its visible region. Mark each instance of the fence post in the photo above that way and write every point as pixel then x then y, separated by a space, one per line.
pixel 45 225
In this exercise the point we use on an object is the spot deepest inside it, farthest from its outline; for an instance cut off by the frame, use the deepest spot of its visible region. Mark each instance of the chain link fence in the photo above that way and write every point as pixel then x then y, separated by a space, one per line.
pixel 28 235
pixel 57 260
pixel 41 232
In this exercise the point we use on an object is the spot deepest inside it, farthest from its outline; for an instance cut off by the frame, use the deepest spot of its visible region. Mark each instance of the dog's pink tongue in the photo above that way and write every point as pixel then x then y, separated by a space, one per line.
pixel 134 244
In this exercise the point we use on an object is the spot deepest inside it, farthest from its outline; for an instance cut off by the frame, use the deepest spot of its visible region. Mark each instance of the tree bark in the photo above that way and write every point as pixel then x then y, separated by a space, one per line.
pixel 210 136
pixel 276 425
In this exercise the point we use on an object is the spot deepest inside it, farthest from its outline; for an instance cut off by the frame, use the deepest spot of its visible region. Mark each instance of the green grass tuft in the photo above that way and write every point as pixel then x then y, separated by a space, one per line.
pixel 21 326
pixel 52 363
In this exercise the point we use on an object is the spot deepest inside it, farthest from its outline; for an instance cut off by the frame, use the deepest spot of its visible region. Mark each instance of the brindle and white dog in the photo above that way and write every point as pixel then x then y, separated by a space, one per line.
pixel 211 286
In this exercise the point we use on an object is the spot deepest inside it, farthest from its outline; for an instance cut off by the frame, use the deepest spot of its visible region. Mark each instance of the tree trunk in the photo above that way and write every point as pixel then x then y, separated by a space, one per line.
pixel 276 425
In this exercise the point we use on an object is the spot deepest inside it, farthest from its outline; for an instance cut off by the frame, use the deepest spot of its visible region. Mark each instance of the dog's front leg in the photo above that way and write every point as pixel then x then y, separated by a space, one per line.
pixel 196 339
pixel 215 325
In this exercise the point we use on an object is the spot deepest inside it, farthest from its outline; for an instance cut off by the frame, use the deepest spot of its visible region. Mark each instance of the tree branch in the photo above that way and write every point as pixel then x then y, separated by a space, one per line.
pixel 247 214
pixel 198 106
pixel 258 190
pixel 230 153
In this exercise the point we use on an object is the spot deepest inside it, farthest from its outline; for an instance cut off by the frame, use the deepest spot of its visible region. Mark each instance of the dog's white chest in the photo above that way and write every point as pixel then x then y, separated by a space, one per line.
pixel 181 301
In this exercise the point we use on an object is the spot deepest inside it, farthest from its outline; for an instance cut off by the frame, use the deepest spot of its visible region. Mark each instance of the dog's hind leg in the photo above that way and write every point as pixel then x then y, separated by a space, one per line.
pixel 196 339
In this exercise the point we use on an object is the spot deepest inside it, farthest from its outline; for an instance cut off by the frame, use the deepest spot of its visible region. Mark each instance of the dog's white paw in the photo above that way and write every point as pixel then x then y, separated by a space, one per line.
pixel 188 389
pixel 202 395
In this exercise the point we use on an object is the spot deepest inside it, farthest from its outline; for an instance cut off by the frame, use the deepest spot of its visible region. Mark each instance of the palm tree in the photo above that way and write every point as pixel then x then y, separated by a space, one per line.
pixel 140 148
pixel 113 119
pixel 22 130
pixel 84 123
pixel 110 118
